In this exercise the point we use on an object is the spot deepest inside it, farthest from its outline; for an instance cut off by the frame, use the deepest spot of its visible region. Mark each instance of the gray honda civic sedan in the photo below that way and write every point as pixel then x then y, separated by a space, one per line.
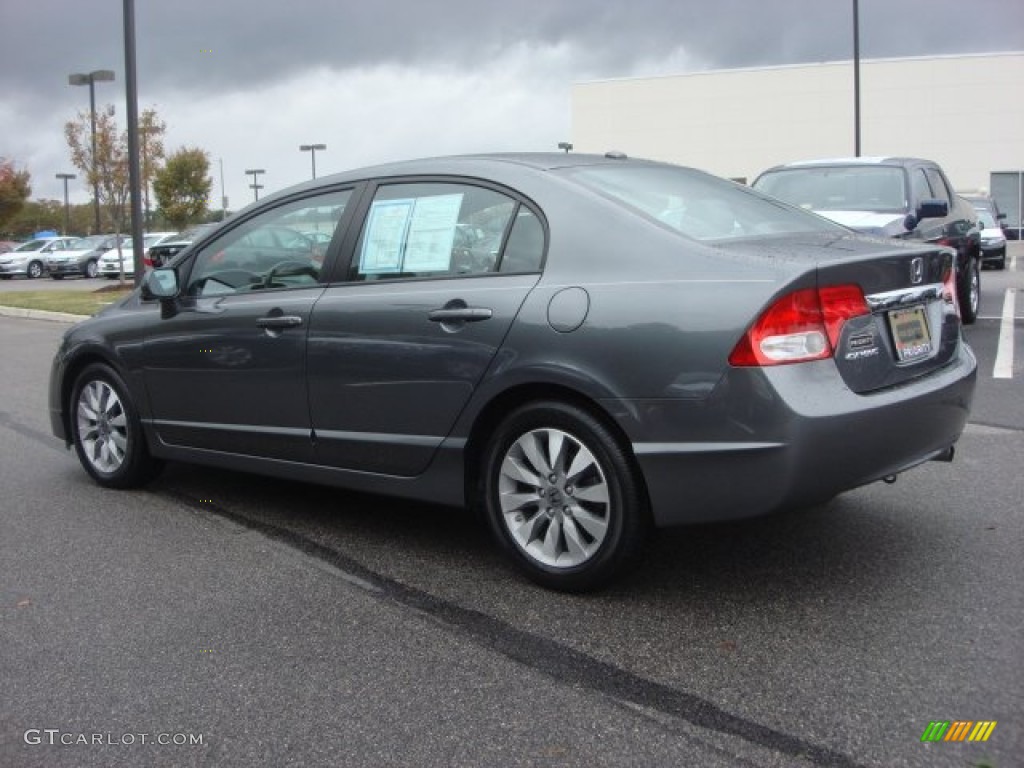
pixel 580 347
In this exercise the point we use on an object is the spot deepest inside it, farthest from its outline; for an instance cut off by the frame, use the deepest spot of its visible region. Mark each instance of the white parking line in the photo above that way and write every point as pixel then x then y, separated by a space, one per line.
pixel 1003 368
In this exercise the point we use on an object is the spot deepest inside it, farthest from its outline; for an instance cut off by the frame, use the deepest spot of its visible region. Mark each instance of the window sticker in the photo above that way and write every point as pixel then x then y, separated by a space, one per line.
pixel 385 232
pixel 428 246
pixel 410 235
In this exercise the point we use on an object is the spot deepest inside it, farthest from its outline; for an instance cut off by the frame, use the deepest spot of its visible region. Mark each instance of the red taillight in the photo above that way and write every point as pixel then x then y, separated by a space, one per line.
pixel 949 289
pixel 801 326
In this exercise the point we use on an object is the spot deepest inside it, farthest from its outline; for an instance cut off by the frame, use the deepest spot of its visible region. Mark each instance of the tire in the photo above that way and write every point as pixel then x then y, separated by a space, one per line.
pixel 1001 262
pixel 106 430
pixel 534 506
pixel 91 269
pixel 34 270
pixel 970 293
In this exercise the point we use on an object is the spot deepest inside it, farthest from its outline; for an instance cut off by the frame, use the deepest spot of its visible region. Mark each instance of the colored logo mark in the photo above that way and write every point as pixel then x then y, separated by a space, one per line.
pixel 958 730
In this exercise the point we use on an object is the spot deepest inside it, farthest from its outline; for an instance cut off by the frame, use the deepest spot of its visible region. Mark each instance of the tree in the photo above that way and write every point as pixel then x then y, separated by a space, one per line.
pixel 109 169
pixel 151 151
pixel 183 186
pixel 14 190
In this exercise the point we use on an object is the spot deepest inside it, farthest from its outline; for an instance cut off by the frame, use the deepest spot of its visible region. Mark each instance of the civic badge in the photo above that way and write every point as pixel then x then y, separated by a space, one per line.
pixel 917 270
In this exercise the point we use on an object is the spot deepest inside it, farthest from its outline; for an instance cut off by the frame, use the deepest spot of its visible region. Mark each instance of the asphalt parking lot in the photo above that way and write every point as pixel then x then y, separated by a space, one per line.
pixel 295 625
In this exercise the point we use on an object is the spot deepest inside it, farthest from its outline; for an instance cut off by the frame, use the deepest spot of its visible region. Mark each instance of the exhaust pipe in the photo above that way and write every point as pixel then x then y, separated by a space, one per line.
pixel 889 479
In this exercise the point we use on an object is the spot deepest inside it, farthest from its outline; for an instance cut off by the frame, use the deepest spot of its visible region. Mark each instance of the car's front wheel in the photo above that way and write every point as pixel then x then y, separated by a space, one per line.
pixel 34 270
pixel 970 293
pixel 91 270
pixel 106 430
pixel 563 497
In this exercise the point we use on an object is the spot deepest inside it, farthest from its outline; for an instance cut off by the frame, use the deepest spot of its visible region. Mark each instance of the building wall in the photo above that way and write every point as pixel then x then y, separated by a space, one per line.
pixel 965 112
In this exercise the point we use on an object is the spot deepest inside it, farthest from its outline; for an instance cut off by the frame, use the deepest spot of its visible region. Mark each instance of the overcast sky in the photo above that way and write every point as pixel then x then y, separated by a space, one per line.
pixel 376 80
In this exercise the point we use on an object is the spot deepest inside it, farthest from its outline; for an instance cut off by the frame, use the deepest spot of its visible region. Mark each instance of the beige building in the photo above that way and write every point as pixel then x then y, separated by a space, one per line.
pixel 965 112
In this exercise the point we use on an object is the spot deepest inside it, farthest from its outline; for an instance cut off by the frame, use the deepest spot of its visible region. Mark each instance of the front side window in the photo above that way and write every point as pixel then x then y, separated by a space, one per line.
pixel 432 229
pixel 938 185
pixel 919 182
pixel 283 247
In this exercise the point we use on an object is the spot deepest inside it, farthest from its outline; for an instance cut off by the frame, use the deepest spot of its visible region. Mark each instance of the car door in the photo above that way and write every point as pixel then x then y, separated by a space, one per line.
pixel 227 371
pixel 434 279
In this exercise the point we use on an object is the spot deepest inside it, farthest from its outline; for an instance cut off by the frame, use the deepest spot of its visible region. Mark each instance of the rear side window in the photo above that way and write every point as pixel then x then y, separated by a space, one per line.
pixel 436 229
pixel 524 250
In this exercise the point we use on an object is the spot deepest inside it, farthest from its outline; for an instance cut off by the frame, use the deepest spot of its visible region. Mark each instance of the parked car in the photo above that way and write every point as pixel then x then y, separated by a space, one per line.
pixel 902 197
pixel 993 241
pixel 648 345
pixel 109 265
pixel 161 254
pixel 985 202
pixel 79 258
pixel 8 245
pixel 29 259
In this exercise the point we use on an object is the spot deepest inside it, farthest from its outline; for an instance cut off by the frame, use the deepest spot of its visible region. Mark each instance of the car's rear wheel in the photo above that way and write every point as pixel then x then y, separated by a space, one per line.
pixel 1000 263
pixel 106 430
pixel 34 270
pixel 562 497
pixel 970 293
pixel 91 269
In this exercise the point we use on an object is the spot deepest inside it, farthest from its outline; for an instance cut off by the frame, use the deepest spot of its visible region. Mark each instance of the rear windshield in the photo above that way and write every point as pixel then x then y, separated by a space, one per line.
pixel 696 204
pixel 838 188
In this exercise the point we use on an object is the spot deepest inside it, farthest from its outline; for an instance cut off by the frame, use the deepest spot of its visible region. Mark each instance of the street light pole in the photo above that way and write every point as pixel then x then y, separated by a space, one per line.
pixel 90 79
pixel 312 148
pixel 255 186
pixel 856 80
pixel 67 209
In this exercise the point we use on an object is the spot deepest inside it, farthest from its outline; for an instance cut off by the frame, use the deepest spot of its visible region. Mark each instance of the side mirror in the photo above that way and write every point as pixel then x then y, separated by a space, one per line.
pixel 161 284
pixel 932 209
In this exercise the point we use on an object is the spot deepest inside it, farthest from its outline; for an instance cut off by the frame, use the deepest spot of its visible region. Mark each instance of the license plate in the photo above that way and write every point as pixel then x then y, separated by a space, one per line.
pixel 910 333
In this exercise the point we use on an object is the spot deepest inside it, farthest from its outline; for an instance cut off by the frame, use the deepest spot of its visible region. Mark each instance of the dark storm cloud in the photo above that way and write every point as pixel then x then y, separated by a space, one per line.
pixel 228 44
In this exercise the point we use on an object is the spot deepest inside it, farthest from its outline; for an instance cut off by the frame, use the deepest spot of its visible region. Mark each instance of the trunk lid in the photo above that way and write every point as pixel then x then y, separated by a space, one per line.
pixel 913 326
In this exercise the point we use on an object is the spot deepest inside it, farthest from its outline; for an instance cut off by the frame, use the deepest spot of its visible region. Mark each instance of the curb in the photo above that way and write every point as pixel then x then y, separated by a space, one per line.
pixel 41 314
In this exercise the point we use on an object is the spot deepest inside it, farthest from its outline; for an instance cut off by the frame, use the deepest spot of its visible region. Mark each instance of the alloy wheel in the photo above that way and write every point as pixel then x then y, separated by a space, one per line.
pixel 554 498
pixel 102 426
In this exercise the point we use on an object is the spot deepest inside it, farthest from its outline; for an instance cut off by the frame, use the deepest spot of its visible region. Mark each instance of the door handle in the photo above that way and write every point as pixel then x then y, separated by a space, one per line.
pixel 465 314
pixel 279 321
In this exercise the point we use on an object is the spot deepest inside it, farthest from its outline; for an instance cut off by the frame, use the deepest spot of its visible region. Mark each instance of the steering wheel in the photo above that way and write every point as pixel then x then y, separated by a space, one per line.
pixel 290 268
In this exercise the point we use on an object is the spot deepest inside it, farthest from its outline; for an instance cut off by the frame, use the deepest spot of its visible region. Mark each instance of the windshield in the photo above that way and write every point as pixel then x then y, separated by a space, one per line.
pixel 90 242
pixel 32 245
pixel 697 204
pixel 838 188
pixel 987 220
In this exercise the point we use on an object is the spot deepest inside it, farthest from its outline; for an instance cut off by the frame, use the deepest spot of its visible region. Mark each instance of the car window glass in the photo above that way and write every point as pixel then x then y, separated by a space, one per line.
pixel 524 250
pixel 937 184
pixel 837 188
pixel 922 190
pixel 694 203
pixel 283 247
pixel 431 230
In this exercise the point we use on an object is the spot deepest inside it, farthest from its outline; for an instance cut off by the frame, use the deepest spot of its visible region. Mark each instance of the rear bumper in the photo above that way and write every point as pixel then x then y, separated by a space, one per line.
pixel 793 436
